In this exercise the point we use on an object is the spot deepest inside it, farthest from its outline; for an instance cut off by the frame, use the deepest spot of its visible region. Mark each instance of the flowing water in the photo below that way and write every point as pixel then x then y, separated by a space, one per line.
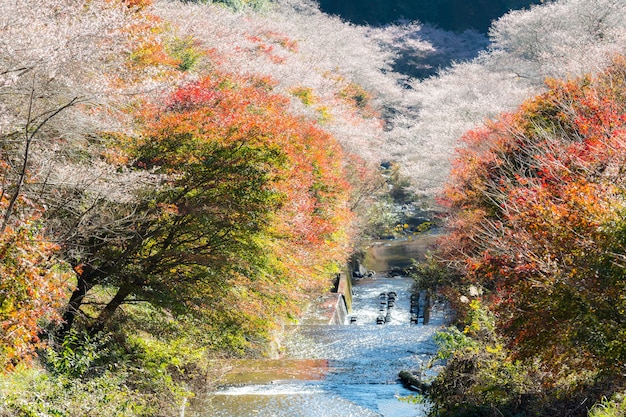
pixel 348 370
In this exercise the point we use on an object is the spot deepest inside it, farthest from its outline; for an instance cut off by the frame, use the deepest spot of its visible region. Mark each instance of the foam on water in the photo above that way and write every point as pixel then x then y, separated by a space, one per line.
pixel 271 389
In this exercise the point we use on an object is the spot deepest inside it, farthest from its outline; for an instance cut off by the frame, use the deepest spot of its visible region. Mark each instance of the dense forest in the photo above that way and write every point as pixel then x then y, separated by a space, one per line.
pixel 179 178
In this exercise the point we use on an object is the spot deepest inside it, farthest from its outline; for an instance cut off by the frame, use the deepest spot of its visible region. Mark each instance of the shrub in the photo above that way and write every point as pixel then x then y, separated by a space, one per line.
pixel 33 392
pixel 613 407
pixel 480 378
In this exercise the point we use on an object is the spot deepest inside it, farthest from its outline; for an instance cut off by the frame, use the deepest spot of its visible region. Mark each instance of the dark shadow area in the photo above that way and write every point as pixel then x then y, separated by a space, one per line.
pixel 448 47
pixel 453 15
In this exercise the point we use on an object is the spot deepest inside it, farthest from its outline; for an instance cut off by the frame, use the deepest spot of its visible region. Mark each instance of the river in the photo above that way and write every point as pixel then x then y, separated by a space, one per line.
pixel 348 370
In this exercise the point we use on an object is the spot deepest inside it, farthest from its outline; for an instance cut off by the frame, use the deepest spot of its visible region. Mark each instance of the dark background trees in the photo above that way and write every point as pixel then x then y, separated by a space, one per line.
pixel 453 15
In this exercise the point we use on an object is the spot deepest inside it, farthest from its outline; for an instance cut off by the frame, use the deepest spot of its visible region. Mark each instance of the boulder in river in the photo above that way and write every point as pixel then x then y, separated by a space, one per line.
pixel 359 270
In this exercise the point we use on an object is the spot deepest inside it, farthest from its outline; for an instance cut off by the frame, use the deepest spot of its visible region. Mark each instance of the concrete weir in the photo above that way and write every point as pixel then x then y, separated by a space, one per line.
pixel 343 302
pixel 341 311
pixel 334 306
pixel 342 306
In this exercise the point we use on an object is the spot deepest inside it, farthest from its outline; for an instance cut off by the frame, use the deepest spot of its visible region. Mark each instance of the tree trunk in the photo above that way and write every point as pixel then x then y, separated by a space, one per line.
pixel 107 313
pixel 73 306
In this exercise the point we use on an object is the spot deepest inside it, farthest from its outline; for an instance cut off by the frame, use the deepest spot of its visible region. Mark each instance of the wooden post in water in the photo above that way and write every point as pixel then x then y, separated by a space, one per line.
pixel 426 307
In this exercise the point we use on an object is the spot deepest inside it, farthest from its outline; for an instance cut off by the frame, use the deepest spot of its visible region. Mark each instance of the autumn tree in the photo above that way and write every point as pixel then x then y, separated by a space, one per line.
pixel 33 286
pixel 300 48
pixel 537 220
pixel 53 59
pixel 114 221
pixel 248 206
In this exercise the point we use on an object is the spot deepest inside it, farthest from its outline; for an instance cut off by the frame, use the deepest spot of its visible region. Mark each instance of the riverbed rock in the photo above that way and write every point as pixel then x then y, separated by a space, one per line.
pixel 359 270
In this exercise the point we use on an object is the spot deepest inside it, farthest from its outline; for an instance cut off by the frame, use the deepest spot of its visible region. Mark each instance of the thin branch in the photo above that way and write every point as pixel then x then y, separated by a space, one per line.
pixel 29 137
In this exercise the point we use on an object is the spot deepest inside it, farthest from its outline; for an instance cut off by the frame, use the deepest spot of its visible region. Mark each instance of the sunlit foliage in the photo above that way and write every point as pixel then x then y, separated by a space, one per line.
pixel 33 287
pixel 249 209
pixel 168 152
pixel 537 203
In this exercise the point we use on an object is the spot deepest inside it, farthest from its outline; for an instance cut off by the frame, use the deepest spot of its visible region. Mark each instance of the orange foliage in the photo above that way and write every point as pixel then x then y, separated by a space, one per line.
pixel 308 230
pixel 267 41
pixel 33 287
pixel 537 217
pixel 148 54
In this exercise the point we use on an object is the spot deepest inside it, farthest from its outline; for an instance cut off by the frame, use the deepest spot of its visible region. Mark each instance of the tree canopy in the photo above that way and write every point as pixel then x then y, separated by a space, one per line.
pixel 537 220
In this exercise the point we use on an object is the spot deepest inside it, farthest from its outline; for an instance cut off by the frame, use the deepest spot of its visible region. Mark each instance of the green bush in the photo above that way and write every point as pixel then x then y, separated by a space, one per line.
pixel 185 51
pixel 479 378
pixel 151 363
pixel 77 354
pixel 305 94
pixel 614 407
pixel 167 367
pixel 34 392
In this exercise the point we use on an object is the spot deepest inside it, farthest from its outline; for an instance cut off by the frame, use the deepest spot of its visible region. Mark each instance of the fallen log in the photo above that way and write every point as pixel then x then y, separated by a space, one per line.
pixel 413 381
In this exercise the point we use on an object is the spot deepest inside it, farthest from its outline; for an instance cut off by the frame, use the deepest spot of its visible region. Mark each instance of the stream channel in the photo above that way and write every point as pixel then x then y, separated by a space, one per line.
pixel 348 370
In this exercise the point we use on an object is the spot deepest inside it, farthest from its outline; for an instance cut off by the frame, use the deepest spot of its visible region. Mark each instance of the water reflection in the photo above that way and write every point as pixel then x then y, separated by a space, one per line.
pixel 383 255
pixel 315 402
pixel 268 371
